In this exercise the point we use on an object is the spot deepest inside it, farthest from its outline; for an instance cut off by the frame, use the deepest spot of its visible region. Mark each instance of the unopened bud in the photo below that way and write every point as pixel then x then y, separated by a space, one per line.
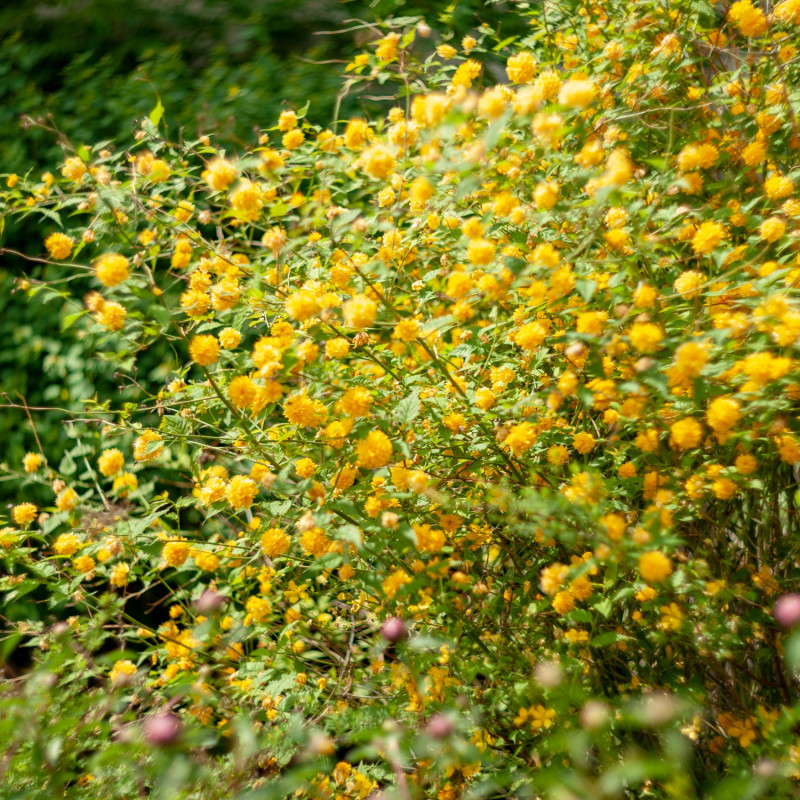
pixel 162 729
pixel 394 629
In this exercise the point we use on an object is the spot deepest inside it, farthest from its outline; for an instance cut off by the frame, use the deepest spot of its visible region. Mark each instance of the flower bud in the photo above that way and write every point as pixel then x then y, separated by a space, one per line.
pixel 439 726
pixel 787 610
pixel 210 602
pixel 393 629
pixel 162 729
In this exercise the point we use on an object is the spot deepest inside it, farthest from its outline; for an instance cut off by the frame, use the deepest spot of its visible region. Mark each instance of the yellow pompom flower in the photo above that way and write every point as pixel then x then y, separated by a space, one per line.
pixel 229 338
pixel 521 438
pixel 521 67
pixel 302 410
pixel 305 467
pixel 689 284
pixel 242 490
pixel 545 195
pixel 247 200
pixel 480 252
pixel 67 499
pixel 772 229
pixel 355 402
pixel 375 451
pixel 111 315
pixel 685 434
pixel 645 337
pixel 707 237
pixel 378 161
pixel 204 349
pixel 360 312
pixel 275 542
pixel 110 462
pixel 32 461
pixel 220 174
pixel 121 672
pixel 337 348
pixel 119 575
pixel 583 442
pixel 577 93
pixel 723 414
pixel 24 513
pixel 654 566
pixel 111 269
pixel 67 544
pixel 175 552
pixel 59 246
pixel 242 391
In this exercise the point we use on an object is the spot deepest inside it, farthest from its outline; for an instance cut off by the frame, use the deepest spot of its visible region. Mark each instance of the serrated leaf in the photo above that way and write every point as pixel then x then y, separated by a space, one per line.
pixel 407 410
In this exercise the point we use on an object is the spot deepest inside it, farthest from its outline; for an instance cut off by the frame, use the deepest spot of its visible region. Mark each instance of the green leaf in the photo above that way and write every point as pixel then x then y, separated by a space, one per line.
pixel 70 320
pixel 605 639
pixel 407 410
pixel 792 652
pixel 157 113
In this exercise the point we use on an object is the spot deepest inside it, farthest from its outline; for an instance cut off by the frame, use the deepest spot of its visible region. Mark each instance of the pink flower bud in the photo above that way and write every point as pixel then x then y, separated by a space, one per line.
pixel 439 726
pixel 210 601
pixel 787 610
pixel 162 729
pixel 393 629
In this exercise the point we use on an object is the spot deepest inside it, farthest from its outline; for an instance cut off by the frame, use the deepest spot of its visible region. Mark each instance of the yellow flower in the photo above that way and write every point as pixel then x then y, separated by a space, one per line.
pixel 204 349
pixel 583 442
pixel 67 544
pixel 748 19
pixel 111 269
pixel 378 161
pixel 772 229
pixel 645 336
pixel 67 499
pixel 707 237
pixel 111 461
pixel 360 312
pixel 723 414
pixel 175 552
pixel 121 672
pixel 304 411
pixel 685 434
pixel 24 513
pixel 247 200
pixel 541 717
pixel 59 246
pixel 220 174
pixel 148 446
pixel 521 438
pixel 119 575
pixel 32 461
pixel 654 566
pixel 577 93
pixel 375 451
pixel 521 67
pixel 275 542
pixel 466 73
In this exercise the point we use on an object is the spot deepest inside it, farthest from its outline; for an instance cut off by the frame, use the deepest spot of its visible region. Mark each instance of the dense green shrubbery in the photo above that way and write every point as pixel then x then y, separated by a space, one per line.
pixel 90 69
pixel 458 450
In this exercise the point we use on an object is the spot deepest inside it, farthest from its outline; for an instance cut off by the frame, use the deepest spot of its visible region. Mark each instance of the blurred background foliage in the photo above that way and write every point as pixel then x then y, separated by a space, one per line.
pixel 90 68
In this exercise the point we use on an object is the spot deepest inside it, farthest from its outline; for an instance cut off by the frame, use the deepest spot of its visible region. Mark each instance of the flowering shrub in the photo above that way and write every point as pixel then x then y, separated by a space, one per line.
pixel 473 471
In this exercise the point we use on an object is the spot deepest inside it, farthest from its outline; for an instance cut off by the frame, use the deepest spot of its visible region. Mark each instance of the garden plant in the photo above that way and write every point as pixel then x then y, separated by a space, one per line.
pixel 468 464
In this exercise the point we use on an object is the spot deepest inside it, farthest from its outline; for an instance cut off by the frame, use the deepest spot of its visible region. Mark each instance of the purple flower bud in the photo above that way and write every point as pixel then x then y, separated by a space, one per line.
pixel 162 729
pixel 393 629
pixel 787 610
